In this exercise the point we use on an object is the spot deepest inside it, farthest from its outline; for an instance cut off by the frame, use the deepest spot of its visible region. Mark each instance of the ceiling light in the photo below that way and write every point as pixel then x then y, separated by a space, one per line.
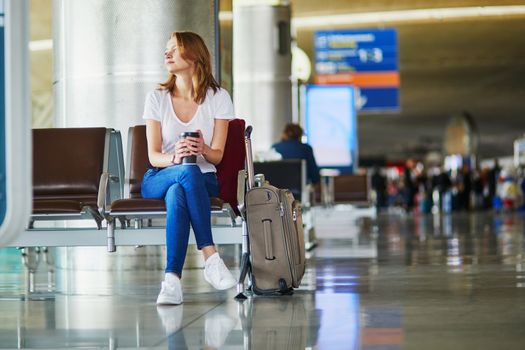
pixel 40 45
pixel 436 14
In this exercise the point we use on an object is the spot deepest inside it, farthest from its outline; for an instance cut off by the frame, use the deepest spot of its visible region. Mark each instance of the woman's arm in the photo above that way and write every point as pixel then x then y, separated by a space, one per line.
pixel 214 152
pixel 155 155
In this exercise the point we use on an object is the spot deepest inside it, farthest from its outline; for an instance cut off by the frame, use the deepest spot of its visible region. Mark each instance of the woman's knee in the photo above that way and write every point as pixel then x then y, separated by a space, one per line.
pixel 175 195
pixel 192 174
pixel 147 190
pixel 190 170
pixel 150 186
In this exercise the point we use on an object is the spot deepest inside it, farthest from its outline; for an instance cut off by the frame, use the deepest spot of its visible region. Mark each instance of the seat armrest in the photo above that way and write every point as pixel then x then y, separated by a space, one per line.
pixel 307 196
pixel 103 189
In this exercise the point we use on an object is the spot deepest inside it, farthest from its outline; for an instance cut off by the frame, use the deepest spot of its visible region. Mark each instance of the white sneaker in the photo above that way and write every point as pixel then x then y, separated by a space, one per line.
pixel 170 292
pixel 217 274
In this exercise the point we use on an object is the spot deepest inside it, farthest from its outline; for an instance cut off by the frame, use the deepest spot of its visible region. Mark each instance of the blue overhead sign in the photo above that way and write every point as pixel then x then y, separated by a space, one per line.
pixel 377 99
pixel 366 59
pixel 355 51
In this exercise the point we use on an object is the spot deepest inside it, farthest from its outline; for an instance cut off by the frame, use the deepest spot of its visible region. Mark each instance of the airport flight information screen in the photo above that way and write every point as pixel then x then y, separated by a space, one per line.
pixel 330 125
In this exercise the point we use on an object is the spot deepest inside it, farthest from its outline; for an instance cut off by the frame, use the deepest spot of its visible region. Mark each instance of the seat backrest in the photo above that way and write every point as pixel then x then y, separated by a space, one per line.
pixel 68 162
pixel 232 162
pixel 286 173
pixel 138 161
pixel 351 188
pixel 227 170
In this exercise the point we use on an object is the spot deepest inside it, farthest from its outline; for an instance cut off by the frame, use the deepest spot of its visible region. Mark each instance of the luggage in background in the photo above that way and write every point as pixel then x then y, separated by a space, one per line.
pixel 276 238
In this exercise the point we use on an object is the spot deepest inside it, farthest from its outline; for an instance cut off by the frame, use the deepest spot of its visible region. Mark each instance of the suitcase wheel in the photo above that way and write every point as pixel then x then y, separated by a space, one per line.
pixel 283 288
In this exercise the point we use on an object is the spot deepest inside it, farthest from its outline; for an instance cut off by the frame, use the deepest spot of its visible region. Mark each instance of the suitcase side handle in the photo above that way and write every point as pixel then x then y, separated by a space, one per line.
pixel 268 244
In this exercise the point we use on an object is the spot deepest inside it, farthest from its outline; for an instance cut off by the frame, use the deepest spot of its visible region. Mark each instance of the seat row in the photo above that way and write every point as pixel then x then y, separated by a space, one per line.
pixel 79 174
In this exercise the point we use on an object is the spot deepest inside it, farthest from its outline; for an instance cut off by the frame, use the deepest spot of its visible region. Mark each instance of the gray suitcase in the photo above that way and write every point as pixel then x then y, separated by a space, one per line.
pixel 275 235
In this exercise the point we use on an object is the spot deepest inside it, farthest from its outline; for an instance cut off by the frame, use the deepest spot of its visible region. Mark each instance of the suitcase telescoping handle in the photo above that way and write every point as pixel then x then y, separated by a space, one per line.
pixel 249 156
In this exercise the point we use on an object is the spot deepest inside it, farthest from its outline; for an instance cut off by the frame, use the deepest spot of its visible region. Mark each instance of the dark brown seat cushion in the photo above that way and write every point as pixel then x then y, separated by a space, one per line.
pixel 56 206
pixel 137 205
pixel 150 205
pixel 348 188
pixel 351 188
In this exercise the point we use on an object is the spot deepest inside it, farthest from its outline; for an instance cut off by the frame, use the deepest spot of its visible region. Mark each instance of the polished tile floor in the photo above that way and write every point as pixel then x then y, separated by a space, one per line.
pixel 400 282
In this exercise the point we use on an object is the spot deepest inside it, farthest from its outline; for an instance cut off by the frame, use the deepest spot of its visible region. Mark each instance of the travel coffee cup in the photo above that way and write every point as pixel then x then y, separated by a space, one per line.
pixel 189 159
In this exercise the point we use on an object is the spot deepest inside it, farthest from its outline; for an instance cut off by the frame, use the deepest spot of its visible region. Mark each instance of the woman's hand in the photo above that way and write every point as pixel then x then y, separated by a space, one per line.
pixel 196 145
pixel 181 150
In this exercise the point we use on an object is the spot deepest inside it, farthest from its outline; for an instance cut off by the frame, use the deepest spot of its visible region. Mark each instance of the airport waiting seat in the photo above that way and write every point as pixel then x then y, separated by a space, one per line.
pixel 286 173
pixel 291 174
pixel 134 207
pixel 79 174
pixel 352 188
pixel 347 189
pixel 74 176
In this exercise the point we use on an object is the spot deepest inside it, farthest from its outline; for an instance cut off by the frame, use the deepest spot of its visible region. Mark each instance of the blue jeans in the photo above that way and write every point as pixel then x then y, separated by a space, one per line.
pixel 186 192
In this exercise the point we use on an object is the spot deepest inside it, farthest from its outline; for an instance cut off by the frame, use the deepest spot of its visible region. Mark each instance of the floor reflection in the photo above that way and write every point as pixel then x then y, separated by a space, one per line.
pixel 400 282
pixel 461 240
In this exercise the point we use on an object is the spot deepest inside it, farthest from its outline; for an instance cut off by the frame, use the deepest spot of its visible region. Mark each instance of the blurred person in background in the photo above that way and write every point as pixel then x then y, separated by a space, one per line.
pixel 409 188
pixel 464 182
pixel 509 189
pixel 379 186
pixel 493 176
pixel 423 189
pixel 486 192
pixel 443 185
pixel 522 187
pixel 477 187
pixel 393 193
pixel 291 147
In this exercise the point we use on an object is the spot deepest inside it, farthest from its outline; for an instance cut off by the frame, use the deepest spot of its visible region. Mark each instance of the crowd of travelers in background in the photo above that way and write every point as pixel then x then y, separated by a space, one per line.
pixel 434 189
pixel 419 188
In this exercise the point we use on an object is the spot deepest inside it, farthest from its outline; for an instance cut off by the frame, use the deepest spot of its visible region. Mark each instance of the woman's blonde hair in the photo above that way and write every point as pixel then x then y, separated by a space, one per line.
pixel 192 48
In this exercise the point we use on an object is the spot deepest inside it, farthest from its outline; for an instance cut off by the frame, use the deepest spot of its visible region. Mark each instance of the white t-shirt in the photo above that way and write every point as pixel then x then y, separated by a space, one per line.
pixel 158 106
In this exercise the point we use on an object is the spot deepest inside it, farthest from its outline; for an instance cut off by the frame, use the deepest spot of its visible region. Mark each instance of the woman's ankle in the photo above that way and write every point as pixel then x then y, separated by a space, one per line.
pixel 171 276
pixel 208 251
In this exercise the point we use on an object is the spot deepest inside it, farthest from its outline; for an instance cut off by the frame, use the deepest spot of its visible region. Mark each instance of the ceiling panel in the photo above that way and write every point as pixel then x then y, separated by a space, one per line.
pixel 328 7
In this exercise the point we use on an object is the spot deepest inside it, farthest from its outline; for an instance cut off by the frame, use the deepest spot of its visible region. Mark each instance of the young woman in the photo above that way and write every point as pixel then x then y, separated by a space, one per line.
pixel 190 100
